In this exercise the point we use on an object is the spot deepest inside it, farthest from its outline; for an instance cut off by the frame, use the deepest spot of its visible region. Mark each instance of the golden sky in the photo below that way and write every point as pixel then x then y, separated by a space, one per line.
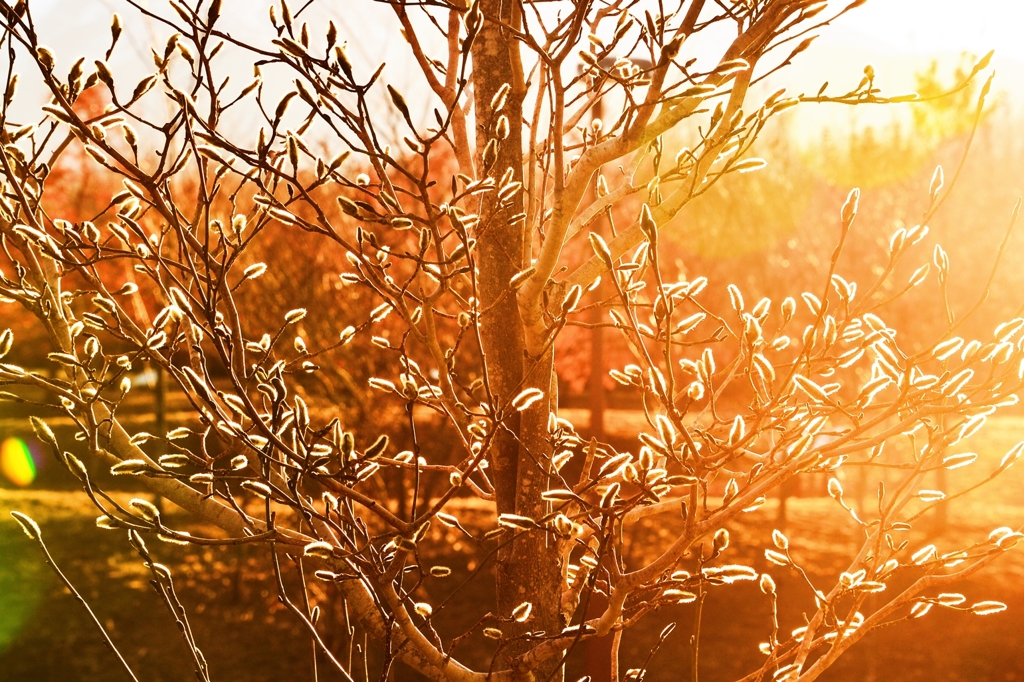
pixel 936 26
pixel 899 37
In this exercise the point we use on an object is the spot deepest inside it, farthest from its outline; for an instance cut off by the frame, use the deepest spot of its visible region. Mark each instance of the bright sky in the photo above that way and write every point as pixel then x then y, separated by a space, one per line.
pixel 894 26
pixel 899 37
pixel 930 26
pixel 909 33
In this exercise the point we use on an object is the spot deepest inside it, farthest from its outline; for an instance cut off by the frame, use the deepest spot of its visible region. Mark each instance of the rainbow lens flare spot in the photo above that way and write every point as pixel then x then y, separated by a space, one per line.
pixel 16 462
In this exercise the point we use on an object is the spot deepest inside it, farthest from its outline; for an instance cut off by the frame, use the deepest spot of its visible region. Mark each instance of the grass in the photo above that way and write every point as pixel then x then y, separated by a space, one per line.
pixel 46 635
pixel 246 634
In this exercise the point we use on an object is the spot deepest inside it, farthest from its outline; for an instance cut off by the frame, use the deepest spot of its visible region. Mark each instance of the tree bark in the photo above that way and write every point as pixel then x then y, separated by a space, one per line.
pixel 527 568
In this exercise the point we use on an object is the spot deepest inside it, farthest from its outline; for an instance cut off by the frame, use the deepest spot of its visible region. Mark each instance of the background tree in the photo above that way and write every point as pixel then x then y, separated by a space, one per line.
pixel 460 241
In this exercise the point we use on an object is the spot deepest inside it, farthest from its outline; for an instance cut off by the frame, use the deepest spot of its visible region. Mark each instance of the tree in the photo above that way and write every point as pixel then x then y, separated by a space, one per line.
pixel 460 238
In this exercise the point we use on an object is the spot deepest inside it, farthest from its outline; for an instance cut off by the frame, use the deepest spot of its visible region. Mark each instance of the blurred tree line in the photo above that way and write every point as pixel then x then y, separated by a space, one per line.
pixel 771 231
pixel 766 232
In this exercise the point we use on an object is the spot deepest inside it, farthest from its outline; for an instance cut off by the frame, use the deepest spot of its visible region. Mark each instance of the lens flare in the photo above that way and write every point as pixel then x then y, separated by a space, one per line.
pixel 16 462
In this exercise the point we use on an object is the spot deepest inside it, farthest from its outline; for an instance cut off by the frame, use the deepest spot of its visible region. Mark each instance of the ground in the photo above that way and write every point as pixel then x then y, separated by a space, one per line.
pixel 246 634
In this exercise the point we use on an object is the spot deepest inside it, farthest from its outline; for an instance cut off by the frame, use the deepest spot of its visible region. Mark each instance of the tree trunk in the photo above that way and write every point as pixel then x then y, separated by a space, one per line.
pixel 527 568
